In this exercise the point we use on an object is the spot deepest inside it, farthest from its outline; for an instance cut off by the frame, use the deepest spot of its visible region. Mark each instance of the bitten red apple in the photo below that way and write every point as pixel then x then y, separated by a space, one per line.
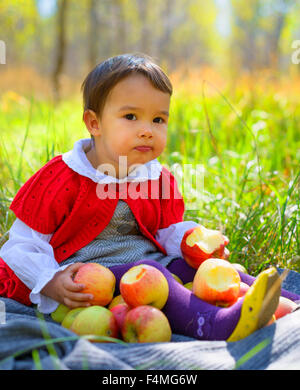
pixel 199 244
pixel 285 306
pixel 98 280
pixel 144 284
pixel 146 324
pixel 95 320
pixel 217 282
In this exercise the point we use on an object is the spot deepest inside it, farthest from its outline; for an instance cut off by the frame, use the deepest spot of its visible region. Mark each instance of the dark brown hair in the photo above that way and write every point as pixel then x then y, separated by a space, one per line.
pixel 100 81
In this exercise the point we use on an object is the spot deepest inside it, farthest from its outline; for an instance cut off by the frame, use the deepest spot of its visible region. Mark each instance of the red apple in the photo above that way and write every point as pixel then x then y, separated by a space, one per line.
pixel 272 320
pixel 217 282
pixel 243 289
pixel 98 280
pixel 120 311
pixel 285 306
pixel 199 244
pixel 144 285
pixel 95 320
pixel 146 324
pixel 116 301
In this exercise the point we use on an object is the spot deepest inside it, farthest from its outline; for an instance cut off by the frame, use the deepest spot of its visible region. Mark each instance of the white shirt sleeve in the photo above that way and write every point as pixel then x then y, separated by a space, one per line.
pixel 170 238
pixel 31 257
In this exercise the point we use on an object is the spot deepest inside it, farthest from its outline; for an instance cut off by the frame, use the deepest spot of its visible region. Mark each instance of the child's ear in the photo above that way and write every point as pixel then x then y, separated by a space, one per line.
pixel 92 122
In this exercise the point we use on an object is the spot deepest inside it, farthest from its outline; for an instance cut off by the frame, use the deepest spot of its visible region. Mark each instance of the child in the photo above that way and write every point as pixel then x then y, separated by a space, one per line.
pixel 71 211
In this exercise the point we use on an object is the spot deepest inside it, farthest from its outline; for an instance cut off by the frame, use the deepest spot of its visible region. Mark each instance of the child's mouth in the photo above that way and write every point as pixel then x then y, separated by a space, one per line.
pixel 143 148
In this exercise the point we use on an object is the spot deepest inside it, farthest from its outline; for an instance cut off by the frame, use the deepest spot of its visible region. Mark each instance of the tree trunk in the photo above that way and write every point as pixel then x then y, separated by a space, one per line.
pixel 121 30
pixel 60 48
pixel 145 42
pixel 93 40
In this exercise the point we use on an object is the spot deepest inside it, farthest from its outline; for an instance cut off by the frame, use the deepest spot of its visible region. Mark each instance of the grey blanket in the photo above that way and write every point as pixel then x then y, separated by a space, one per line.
pixel 29 342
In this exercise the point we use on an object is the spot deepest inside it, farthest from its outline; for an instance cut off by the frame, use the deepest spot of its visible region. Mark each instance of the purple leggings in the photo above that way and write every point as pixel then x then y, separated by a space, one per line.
pixel 188 314
pixel 186 273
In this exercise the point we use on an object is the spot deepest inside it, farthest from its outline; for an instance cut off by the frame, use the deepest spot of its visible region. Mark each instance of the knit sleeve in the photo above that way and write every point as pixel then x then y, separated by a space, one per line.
pixel 172 204
pixel 46 199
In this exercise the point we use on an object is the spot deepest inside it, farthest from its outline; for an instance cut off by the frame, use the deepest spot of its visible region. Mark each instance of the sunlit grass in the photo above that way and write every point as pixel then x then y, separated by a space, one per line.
pixel 247 143
pixel 246 139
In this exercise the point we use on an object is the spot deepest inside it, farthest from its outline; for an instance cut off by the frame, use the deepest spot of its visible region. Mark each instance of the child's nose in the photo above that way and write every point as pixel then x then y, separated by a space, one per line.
pixel 146 131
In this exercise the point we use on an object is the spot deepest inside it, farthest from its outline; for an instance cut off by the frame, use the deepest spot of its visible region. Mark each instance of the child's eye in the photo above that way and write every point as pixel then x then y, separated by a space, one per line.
pixel 158 119
pixel 130 117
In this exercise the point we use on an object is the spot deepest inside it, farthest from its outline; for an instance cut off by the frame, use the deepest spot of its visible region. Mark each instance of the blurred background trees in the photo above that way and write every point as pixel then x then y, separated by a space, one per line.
pixel 60 40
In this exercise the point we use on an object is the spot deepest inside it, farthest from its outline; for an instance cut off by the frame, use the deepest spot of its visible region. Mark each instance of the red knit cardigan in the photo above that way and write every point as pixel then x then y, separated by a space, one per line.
pixel 57 200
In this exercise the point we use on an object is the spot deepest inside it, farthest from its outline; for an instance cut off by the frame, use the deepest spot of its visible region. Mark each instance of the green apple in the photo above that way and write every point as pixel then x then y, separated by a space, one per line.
pixel 59 314
pixel 177 278
pixel 189 285
pixel 95 320
pixel 70 317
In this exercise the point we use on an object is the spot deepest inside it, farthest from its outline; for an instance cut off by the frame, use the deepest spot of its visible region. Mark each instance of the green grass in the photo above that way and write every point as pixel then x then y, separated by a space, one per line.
pixel 249 150
pixel 246 141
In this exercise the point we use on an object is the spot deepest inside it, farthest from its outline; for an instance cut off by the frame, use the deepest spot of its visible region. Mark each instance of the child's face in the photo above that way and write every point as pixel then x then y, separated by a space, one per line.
pixel 135 114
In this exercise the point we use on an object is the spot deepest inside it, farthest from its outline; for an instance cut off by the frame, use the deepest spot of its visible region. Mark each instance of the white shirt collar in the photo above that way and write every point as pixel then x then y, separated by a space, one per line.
pixel 77 160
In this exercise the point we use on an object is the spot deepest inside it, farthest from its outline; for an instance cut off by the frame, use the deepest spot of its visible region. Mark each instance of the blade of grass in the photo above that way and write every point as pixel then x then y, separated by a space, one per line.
pixel 62 340
pixel 36 359
pixel 25 139
pixel 250 354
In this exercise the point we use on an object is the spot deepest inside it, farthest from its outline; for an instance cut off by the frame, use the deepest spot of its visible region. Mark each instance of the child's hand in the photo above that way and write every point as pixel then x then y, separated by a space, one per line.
pixel 62 289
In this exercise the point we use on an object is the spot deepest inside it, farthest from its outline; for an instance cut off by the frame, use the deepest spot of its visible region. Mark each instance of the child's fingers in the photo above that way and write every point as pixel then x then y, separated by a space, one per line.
pixel 80 297
pixel 72 286
pixel 74 304
pixel 74 267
